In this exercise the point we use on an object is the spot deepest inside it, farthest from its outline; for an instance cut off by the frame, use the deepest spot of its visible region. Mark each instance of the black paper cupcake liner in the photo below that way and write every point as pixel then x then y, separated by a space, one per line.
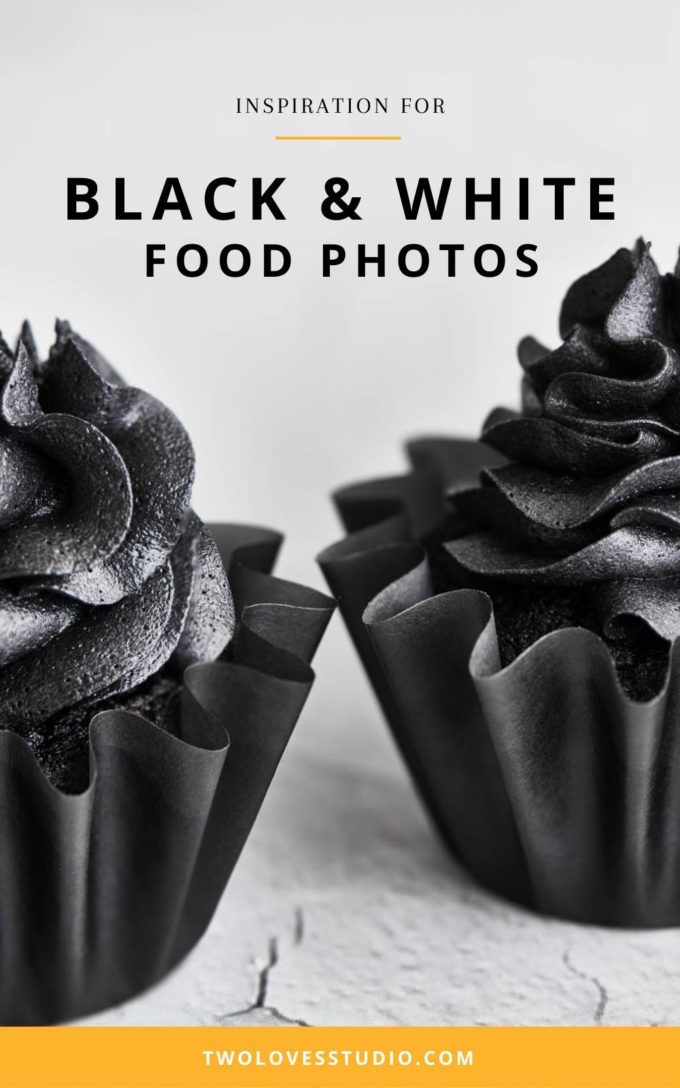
pixel 546 780
pixel 103 892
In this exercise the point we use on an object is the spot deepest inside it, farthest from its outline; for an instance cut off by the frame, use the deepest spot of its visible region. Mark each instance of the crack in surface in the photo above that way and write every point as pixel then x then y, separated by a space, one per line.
pixel 271 1013
pixel 276 1015
pixel 603 996
pixel 263 981
pixel 299 926
pixel 260 1002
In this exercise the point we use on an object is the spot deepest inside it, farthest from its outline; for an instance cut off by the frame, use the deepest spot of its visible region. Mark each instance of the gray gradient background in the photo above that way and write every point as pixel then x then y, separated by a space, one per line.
pixel 290 387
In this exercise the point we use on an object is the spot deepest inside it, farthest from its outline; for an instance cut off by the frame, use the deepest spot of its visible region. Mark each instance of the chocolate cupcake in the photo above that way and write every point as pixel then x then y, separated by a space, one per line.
pixel 150 680
pixel 517 604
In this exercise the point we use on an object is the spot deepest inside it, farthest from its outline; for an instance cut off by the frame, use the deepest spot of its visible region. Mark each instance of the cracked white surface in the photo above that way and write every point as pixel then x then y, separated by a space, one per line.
pixel 345 909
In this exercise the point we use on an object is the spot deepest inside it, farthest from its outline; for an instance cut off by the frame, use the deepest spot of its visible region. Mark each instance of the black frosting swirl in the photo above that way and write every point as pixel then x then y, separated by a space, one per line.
pixel 106 574
pixel 590 497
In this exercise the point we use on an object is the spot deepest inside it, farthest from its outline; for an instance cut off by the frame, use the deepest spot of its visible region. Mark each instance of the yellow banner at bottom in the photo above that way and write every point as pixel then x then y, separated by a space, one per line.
pixel 442 1057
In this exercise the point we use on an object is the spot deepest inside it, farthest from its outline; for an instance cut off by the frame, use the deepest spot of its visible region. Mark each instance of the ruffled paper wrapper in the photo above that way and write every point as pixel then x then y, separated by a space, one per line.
pixel 103 892
pixel 548 783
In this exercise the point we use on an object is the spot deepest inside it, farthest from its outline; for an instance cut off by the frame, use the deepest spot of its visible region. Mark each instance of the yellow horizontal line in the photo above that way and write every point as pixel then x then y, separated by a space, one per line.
pixel 337 137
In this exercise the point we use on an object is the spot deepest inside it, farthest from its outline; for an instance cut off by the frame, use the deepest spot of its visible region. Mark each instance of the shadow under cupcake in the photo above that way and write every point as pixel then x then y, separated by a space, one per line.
pixel 152 672
pixel 520 628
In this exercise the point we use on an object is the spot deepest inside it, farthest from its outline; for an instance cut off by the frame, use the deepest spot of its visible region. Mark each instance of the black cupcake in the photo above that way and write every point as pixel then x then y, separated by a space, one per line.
pixel 150 680
pixel 522 633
